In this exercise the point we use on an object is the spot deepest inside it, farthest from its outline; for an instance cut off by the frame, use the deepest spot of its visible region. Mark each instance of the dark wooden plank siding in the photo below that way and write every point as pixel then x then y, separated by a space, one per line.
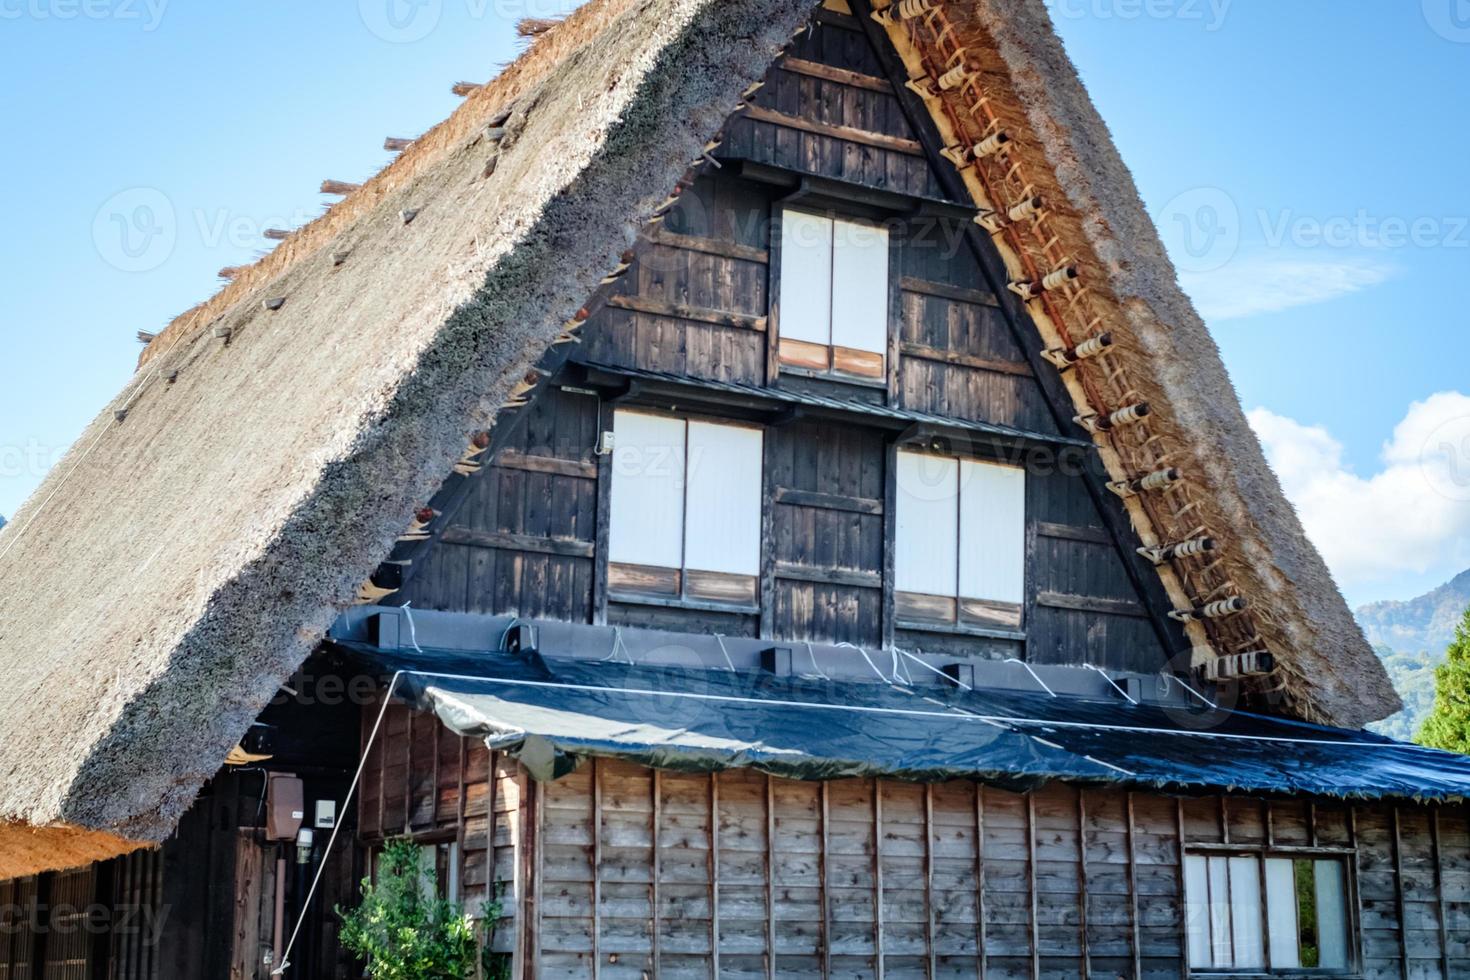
pixel 740 874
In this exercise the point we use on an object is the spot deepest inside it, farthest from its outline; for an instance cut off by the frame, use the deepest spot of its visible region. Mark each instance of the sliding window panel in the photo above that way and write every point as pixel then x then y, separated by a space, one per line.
pixel 647 514
pixel 992 532
pixel 860 296
pixel 723 532
pixel 1330 878
pixel 1197 911
pixel 926 557
pixel 1246 913
pixel 806 278
pixel 1281 909
pixel 1220 942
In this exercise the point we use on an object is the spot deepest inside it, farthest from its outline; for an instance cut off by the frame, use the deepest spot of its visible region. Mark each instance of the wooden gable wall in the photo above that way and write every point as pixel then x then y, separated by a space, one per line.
pixel 701 301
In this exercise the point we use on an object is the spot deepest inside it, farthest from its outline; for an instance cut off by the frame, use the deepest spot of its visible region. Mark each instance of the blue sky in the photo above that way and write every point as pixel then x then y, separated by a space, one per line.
pixel 1305 160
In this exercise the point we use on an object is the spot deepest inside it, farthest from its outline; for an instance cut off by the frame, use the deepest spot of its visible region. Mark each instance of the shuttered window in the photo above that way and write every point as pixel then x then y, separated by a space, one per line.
pixel 685 512
pixel 960 548
pixel 1263 913
pixel 834 295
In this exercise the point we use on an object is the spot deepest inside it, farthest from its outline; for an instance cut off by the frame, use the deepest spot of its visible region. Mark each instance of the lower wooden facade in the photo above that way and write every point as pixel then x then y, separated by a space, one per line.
pixel 622 871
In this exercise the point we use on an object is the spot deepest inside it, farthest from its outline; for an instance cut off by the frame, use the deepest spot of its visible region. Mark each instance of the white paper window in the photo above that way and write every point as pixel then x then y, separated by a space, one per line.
pixel 961 530
pixel 992 559
pixel 647 522
pixel 1266 913
pixel 723 529
pixel 834 294
pixel 927 526
pixel 685 512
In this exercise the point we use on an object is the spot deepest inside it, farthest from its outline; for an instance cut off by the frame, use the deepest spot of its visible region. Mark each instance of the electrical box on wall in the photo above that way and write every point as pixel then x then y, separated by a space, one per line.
pixel 285 806
pixel 326 814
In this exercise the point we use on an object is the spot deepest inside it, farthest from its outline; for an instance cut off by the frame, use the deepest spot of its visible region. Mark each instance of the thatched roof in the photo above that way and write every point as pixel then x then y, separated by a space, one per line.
pixel 180 562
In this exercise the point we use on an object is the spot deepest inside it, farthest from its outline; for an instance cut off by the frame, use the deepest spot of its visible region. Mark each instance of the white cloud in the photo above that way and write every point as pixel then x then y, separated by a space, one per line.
pixel 1410 517
pixel 1252 286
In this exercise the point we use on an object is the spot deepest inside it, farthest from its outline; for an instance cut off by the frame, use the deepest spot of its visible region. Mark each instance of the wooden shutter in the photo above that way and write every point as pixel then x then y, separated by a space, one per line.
pixel 723 525
pixel 927 525
pixel 992 532
pixel 805 316
pixel 859 297
pixel 647 512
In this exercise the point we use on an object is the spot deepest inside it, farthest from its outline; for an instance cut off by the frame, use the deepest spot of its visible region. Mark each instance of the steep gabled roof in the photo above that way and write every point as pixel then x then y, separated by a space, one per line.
pixel 194 546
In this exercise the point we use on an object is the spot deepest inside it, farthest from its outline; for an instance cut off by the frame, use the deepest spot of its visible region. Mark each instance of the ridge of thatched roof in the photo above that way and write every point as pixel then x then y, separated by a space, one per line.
pixel 277 439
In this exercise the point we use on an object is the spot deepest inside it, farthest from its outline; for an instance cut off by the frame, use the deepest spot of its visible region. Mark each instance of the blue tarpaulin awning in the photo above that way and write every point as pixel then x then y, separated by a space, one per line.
pixel 551 713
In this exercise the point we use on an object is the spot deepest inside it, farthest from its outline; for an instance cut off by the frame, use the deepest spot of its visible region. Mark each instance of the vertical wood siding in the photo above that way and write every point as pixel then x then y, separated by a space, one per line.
pixel 619 871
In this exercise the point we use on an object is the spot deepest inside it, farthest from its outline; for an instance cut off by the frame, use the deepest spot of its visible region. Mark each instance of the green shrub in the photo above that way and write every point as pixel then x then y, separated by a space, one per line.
pixel 402 930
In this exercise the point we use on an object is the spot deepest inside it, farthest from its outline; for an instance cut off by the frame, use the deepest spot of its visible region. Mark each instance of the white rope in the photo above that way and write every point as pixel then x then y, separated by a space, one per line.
pixel 907 712
pixel 811 652
pixel 1213 705
pixel 720 639
pixel 935 670
pixel 322 865
pixel 413 634
pixel 618 644
pixel 1033 674
pixel 854 646
pixel 1112 682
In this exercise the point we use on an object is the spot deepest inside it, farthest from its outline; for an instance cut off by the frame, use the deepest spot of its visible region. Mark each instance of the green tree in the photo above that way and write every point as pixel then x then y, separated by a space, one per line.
pixel 402 929
pixel 1448 725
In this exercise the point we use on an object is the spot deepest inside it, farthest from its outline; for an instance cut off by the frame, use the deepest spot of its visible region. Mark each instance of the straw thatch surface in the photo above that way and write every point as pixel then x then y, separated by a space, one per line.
pixel 178 565
pixel 183 568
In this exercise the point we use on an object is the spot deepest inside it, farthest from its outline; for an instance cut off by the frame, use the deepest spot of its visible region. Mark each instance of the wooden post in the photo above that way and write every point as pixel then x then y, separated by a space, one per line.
pixel 1444 932
pixel 1031 885
pixel 1183 908
pixel 596 869
pixel 714 875
pixel 655 869
pixel 1398 895
pixel 980 877
pixel 770 878
pixel 878 879
pixel 826 898
pixel 932 962
pixel 1082 880
pixel 1135 945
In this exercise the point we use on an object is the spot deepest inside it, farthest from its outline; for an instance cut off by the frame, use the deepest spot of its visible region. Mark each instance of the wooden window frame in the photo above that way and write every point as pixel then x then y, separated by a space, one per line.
pixel 681 596
pixel 1347 859
pixel 782 364
pixel 904 604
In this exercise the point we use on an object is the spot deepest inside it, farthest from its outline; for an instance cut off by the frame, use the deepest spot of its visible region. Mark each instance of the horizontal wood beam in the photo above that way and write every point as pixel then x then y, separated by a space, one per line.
pixel 830 575
pixel 1091 604
pixel 925 352
pixel 962 294
pixel 713 246
pixel 842 76
pixel 828 501
pixel 515 460
pixel 566 547
pixel 851 134
pixel 1074 532
pixel 683 311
